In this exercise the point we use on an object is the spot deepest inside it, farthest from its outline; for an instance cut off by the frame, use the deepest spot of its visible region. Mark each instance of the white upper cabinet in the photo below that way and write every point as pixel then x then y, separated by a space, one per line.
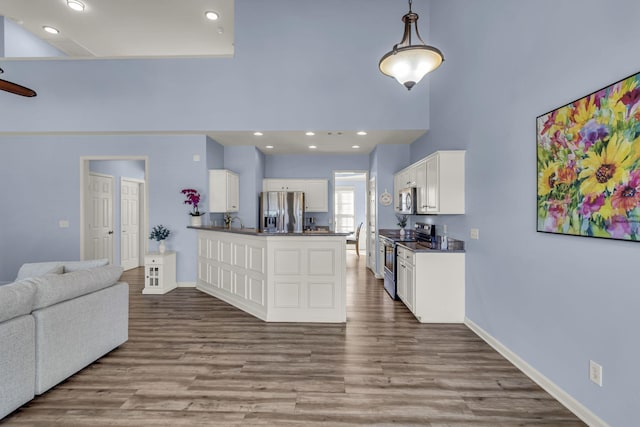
pixel 317 195
pixel 439 183
pixel 316 191
pixel 224 191
pixel 445 192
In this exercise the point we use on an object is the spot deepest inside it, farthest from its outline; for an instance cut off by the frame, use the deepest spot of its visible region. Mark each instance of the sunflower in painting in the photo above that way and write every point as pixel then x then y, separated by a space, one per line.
pixel 603 171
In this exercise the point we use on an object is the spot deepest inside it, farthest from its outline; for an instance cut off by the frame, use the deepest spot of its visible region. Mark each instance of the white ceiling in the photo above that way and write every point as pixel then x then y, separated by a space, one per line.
pixel 175 28
pixel 129 28
pixel 327 142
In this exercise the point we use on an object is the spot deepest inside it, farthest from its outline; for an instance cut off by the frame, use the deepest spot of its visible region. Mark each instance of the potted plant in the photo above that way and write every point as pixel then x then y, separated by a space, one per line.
pixel 193 199
pixel 402 222
pixel 159 233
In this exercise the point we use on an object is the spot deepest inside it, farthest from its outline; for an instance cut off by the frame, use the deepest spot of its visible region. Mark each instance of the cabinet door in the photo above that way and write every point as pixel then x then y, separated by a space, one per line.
pixel 316 196
pixel 233 192
pixel 401 282
pixel 433 184
pixel 410 287
pixel 410 176
pixel 421 187
pixel 397 186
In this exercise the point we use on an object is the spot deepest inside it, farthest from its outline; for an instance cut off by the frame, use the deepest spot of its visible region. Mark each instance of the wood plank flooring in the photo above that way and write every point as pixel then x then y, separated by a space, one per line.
pixel 192 360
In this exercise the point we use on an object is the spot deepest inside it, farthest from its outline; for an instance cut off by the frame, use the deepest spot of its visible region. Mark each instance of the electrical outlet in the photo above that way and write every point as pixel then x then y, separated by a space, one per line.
pixel 63 223
pixel 595 373
pixel 196 157
pixel 475 234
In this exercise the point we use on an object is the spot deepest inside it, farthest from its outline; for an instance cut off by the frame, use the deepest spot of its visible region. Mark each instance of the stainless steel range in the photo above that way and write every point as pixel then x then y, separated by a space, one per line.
pixel 388 239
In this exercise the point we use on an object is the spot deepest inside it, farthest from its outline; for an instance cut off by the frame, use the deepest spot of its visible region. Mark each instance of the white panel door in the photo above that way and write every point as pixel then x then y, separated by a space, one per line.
pixel 100 218
pixel 371 234
pixel 129 224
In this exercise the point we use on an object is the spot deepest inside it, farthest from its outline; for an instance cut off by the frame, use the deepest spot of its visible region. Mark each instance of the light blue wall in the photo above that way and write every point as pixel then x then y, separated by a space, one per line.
pixel 556 301
pixel 246 161
pixel 19 43
pixel 297 65
pixel 319 166
pixel 386 160
pixel 40 179
pixel 119 169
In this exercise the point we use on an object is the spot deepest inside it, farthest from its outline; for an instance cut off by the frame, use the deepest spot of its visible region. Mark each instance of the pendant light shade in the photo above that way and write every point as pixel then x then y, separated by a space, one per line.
pixel 409 63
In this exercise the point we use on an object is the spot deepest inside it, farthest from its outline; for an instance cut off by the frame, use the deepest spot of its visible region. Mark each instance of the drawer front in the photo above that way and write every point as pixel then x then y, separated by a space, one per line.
pixel 154 260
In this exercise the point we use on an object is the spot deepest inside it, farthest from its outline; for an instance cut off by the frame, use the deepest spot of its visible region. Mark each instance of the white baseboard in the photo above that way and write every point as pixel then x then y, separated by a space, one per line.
pixel 186 284
pixel 549 386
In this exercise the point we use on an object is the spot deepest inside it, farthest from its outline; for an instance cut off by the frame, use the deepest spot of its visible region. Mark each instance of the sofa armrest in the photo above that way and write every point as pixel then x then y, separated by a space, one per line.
pixel 16 299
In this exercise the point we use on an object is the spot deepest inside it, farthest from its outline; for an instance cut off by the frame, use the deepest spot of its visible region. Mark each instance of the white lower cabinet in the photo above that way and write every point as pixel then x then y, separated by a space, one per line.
pixel 159 273
pixel 276 278
pixel 432 285
pixel 233 268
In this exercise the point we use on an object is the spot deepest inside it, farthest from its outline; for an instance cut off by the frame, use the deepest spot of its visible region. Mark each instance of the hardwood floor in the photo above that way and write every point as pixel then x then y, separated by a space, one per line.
pixel 192 360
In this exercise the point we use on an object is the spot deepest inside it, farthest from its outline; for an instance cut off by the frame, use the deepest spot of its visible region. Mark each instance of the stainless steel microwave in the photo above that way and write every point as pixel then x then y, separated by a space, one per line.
pixel 406 201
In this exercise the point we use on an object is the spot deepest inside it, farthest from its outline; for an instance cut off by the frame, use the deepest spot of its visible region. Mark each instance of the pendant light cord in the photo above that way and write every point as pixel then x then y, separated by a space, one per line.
pixel 410 3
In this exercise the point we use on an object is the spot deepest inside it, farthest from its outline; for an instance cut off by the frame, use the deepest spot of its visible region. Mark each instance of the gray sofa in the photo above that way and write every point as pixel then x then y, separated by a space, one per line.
pixel 56 319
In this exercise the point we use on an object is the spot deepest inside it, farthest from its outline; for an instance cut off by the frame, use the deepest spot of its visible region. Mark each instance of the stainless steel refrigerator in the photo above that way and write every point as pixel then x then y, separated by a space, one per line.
pixel 281 211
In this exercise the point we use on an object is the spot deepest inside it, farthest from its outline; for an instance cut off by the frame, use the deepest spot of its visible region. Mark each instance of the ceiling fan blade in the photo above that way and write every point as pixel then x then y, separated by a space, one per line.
pixel 16 88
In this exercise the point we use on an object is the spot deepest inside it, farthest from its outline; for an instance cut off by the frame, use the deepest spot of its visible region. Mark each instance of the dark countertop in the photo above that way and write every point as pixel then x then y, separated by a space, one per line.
pixel 409 235
pixel 255 232
pixel 419 247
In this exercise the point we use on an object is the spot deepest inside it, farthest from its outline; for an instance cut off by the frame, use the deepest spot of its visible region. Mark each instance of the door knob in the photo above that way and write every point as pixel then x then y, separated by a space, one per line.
pixel 111 232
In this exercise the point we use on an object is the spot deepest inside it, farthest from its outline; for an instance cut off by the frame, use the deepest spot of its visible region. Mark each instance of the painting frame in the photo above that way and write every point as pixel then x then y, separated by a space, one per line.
pixel 588 164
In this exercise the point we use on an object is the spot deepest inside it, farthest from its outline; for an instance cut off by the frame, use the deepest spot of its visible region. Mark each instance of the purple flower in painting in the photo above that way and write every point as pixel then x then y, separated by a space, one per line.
pixel 619 227
pixel 591 204
pixel 598 96
pixel 591 132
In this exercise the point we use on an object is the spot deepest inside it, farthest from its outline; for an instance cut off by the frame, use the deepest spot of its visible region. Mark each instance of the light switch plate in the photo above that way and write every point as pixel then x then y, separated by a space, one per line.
pixel 595 373
pixel 63 223
pixel 475 234
pixel 196 157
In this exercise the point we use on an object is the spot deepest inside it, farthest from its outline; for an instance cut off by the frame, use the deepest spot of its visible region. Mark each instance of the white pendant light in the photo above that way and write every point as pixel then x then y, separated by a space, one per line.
pixel 408 63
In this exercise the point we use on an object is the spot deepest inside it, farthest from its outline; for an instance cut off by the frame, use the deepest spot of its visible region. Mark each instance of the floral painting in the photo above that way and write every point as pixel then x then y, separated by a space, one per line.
pixel 589 164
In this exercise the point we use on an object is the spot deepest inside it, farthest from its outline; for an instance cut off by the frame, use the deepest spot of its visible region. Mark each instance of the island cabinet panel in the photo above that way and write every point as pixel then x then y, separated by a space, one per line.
pixel 309 279
pixel 232 268
pixel 288 278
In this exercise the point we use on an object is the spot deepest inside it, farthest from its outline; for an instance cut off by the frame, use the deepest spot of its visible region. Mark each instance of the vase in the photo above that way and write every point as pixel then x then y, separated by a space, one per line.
pixel 196 221
pixel 402 231
pixel 162 247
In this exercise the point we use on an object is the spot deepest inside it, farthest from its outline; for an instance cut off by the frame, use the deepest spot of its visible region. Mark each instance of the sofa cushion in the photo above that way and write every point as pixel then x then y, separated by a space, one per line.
pixel 35 269
pixel 70 266
pixel 16 299
pixel 54 288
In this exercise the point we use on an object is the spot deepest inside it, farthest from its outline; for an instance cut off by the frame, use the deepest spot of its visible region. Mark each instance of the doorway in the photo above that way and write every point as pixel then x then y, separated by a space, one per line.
pixel 350 204
pixel 118 227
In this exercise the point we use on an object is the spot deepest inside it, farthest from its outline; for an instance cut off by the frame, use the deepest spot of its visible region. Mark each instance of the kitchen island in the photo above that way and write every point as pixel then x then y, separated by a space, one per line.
pixel 276 277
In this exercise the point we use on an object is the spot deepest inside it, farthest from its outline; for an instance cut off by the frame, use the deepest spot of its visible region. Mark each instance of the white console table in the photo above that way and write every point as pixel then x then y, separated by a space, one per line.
pixel 159 272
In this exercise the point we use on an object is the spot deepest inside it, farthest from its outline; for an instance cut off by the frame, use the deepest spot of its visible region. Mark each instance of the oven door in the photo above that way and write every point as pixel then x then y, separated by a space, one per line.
pixel 389 256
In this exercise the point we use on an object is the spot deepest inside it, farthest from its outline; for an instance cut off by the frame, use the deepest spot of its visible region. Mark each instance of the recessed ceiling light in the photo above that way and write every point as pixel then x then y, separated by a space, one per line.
pixel 269 147
pixel 51 30
pixel 355 146
pixel 362 133
pixel 211 15
pixel 312 147
pixel 75 5
pixel 258 133
pixel 309 133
